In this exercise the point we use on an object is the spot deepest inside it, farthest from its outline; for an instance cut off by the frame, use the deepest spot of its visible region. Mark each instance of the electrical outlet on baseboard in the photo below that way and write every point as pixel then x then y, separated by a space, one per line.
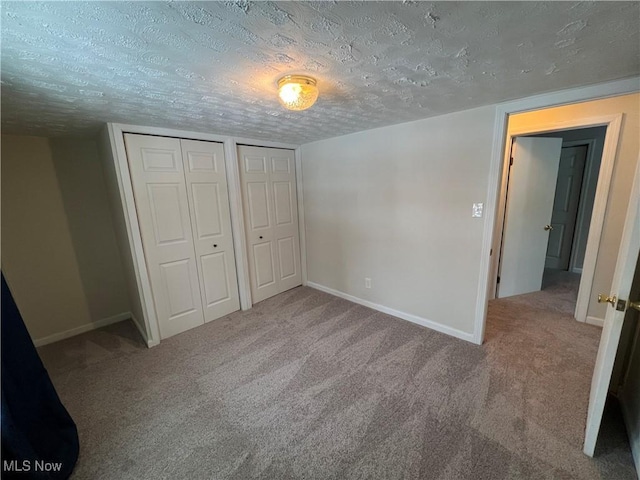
pixel 367 282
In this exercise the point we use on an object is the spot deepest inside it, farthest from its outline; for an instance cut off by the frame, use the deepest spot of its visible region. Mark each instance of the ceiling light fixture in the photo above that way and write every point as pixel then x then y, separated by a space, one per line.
pixel 297 92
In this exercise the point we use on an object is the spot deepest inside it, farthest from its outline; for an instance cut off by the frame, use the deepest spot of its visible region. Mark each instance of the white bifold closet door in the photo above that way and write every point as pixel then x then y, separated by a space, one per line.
pixel 180 190
pixel 271 219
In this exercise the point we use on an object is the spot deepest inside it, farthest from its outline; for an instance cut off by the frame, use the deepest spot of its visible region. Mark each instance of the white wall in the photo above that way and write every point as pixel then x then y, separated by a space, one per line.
pixel 394 204
pixel 38 258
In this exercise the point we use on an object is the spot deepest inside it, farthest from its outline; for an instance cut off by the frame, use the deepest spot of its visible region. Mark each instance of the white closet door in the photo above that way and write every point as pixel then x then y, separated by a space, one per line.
pixel 206 181
pixel 271 219
pixel 163 213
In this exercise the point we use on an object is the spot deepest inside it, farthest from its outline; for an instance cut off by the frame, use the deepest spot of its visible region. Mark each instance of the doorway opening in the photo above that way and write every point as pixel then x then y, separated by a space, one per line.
pixel 534 133
pixel 561 216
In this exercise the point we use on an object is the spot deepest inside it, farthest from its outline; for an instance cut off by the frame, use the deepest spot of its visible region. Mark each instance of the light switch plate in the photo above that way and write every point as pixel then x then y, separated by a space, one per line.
pixel 477 210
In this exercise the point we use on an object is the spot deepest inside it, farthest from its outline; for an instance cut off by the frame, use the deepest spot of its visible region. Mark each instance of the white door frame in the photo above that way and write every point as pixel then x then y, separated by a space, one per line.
pixel 613 124
pixel 500 150
pixel 116 134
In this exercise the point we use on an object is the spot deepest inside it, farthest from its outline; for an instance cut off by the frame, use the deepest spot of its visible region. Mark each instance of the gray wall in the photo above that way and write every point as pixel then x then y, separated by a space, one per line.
pixel 394 204
pixel 59 253
pixel 84 195
pixel 119 225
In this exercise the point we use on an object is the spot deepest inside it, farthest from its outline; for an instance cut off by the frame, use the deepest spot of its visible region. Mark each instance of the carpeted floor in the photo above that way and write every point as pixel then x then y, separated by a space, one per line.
pixel 559 293
pixel 309 386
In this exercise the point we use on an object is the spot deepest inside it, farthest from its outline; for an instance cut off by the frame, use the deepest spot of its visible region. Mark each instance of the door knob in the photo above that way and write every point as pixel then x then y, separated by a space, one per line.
pixel 618 303
pixel 602 298
pixel 215 245
pixel 548 227
pixel 260 237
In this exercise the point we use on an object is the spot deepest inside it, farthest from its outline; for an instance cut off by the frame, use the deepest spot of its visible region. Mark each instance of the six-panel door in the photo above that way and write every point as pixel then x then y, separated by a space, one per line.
pixel 181 198
pixel 271 219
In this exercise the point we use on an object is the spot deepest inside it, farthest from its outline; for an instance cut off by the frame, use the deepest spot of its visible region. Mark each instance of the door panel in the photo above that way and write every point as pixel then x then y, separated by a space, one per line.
pixel 258 205
pixel 202 162
pixel 176 278
pixel 555 241
pixel 255 164
pixel 167 212
pixel 216 278
pixel 280 164
pixel 532 182
pixel 263 254
pixel 283 203
pixel 163 212
pixel 287 255
pixel 208 197
pixel 158 160
pixel 206 207
pixel 626 266
pixel 565 206
pixel 271 219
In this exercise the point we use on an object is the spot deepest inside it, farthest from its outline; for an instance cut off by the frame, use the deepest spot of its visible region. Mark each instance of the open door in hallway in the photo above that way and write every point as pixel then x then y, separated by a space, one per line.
pixel 532 183
pixel 565 206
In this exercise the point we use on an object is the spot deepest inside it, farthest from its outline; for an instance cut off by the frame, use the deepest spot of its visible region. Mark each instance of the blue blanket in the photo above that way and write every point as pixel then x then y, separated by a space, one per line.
pixel 39 437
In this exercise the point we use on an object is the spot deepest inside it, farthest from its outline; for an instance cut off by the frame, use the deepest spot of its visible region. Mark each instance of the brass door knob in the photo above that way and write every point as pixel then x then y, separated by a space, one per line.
pixel 602 298
pixel 548 227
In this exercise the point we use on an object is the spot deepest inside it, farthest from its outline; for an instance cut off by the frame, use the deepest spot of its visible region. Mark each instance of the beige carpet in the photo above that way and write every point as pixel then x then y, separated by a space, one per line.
pixel 309 386
pixel 559 293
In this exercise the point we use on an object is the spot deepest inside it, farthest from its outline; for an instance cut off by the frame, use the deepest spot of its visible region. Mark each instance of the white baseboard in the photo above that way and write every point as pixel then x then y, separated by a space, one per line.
pixel 143 332
pixel 598 322
pixel 397 313
pixel 633 431
pixel 81 329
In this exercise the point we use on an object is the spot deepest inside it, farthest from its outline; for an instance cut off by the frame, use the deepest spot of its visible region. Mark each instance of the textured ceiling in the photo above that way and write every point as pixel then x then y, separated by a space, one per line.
pixel 68 67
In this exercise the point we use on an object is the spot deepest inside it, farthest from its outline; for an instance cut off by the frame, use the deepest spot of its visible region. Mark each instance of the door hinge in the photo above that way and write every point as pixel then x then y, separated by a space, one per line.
pixel 498 279
pixel 511 161
pixel 491 252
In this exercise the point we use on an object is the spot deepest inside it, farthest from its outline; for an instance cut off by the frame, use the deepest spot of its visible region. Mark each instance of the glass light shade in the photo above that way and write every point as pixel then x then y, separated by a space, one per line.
pixel 297 92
